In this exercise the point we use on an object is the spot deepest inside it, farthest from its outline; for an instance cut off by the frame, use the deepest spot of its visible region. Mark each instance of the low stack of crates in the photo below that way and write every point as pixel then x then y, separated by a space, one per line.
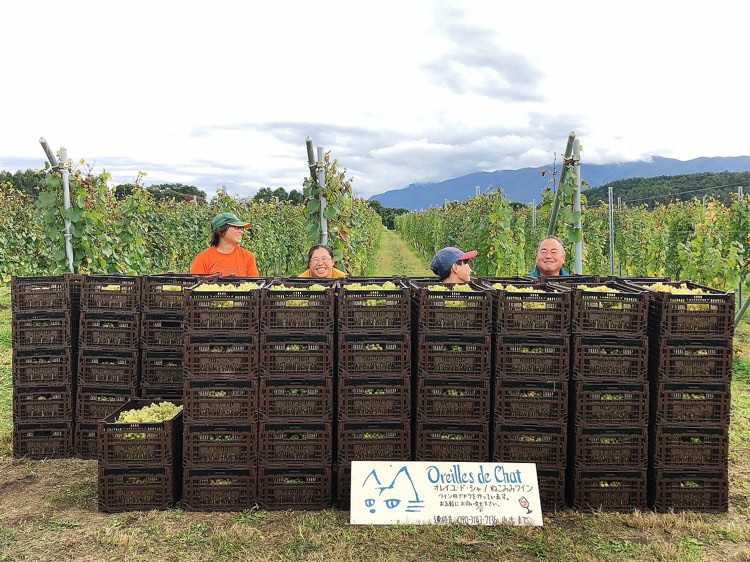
pixel 140 464
pixel 530 380
pixel 108 354
pixel 453 357
pixel 220 400
pixel 690 372
pixel 162 335
pixel 609 422
pixel 44 328
pixel 374 384
pixel 295 434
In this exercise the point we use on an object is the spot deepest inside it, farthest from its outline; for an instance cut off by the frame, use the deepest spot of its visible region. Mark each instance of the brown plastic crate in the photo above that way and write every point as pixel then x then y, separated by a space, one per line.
pixel 162 331
pixel 610 359
pixel 296 399
pixel 707 315
pixel 42 404
pixel 221 357
pixel 221 402
pixel 220 446
pixel 531 402
pixel 370 440
pixel 622 448
pixel 298 310
pixel 111 368
pixel 223 311
pixel 374 399
pixel 544 445
pixel 375 311
pixel 453 400
pixel 679 361
pixel 440 441
pixel 86 445
pixel 623 313
pixel 139 444
pixel 164 292
pixel 454 356
pixel 162 368
pixel 692 404
pixel 537 359
pixel 611 404
pixel 96 403
pixel 43 440
pixel 609 490
pixel 137 489
pixel 678 448
pixel 704 491
pixel 41 330
pixel 546 310
pixel 41 293
pixel 373 355
pixel 453 312
pixel 107 330
pixel 295 443
pixel 304 488
pixel 216 489
pixel 111 292
pixel 42 367
pixel 284 356
pixel 551 488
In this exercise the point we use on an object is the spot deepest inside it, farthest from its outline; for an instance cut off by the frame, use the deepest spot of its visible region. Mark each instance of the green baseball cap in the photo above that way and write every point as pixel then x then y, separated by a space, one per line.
pixel 227 218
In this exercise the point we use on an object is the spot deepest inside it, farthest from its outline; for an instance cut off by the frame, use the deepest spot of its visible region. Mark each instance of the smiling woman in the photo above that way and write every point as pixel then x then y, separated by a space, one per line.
pixel 320 263
pixel 225 255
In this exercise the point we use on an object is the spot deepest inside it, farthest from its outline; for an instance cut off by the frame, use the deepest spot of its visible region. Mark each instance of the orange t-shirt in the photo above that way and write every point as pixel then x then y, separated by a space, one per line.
pixel 239 262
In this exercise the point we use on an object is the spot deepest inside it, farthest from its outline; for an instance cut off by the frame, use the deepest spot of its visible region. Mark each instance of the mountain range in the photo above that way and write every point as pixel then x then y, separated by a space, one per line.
pixel 526 184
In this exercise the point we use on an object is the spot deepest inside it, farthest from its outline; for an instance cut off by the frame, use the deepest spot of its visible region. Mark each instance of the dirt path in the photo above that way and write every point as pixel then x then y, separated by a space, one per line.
pixel 395 257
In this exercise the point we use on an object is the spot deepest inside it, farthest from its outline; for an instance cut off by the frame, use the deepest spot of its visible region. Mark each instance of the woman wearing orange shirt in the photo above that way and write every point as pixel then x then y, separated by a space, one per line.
pixel 225 256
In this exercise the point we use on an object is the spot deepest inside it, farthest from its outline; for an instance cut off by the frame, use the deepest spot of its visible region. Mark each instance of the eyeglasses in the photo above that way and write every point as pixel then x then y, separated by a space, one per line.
pixel 318 260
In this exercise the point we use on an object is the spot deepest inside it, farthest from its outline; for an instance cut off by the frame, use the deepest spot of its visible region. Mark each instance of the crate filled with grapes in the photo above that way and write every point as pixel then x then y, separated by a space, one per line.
pixel 611 490
pixel 531 308
pixel 610 359
pixel 221 357
pixel 40 293
pixel 678 360
pixel 544 445
pixel 690 404
pixel 33 367
pixel 611 404
pixel 454 356
pixel 162 370
pixel 607 448
pixel 109 330
pixel 111 292
pixel 609 308
pixel 295 487
pixel 530 402
pixel 221 402
pixel 283 356
pixel 374 305
pixel 295 443
pixel 43 440
pixel 374 440
pixel 676 448
pixel 458 308
pixel 452 441
pixel 233 446
pixel 164 292
pixel 683 309
pixel 141 433
pixel 108 368
pixel 41 330
pixel 704 491
pixel 224 306
pixel 296 398
pixel 137 489
pixel 219 489
pixel 374 355
pixel 42 404
pixel 456 399
pixel 298 305
pixel 162 331
pixel 374 399
pixel 532 358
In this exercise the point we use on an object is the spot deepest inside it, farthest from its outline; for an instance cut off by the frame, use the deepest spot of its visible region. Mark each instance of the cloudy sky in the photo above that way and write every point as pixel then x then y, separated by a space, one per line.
pixel 224 93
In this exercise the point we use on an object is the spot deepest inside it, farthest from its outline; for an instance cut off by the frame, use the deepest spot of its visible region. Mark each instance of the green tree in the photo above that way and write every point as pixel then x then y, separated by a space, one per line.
pixel 28 182
pixel 175 191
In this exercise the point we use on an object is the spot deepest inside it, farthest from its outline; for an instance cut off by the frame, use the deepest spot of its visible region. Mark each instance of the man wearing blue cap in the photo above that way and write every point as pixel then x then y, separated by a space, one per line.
pixel 452 265
pixel 224 255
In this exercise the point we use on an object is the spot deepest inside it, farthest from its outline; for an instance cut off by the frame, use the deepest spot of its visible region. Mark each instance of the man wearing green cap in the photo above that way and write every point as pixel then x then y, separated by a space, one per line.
pixel 225 255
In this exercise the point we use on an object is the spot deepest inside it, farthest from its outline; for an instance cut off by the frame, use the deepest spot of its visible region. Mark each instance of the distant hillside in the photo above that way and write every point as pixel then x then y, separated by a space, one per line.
pixel 525 185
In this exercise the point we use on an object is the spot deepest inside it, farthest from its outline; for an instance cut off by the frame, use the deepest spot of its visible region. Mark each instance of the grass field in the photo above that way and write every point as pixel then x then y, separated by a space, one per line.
pixel 48 512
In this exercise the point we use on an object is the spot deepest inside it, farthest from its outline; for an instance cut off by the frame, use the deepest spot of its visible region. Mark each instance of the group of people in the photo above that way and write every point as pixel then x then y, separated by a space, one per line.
pixel 226 256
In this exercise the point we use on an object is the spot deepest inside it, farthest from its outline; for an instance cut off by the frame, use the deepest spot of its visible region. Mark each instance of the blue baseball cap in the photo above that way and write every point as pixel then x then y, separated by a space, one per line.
pixel 445 258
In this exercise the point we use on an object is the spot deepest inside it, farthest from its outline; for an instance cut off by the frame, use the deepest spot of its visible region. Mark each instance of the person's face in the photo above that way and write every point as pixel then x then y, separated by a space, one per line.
pixel 321 264
pixel 462 269
pixel 550 257
pixel 233 234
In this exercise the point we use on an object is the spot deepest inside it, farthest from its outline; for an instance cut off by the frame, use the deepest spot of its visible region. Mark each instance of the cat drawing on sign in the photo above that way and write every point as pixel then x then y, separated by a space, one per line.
pixel 398 493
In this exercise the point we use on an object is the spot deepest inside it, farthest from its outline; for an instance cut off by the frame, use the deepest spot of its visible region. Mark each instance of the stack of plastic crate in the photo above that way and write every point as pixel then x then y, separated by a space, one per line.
pixel 162 335
pixel 374 386
pixel 295 434
pixel 220 400
pixel 608 453
pixel 140 464
pixel 44 325
pixel 690 372
pixel 109 334
pixel 453 354
pixel 530 382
